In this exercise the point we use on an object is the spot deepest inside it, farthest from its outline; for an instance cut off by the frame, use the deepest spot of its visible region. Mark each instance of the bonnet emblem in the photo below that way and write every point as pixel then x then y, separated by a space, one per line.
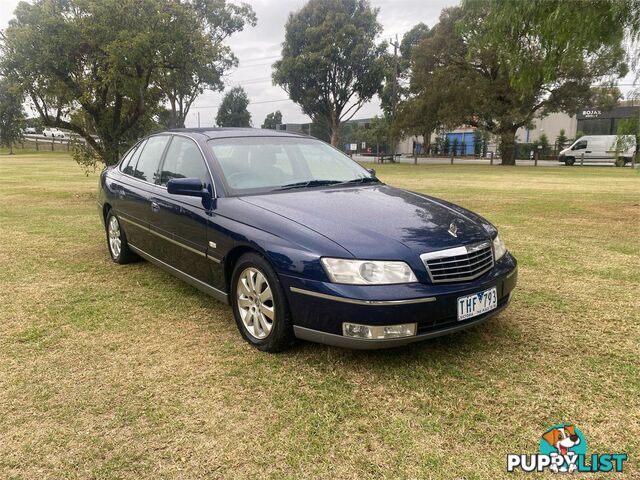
pixel 453 229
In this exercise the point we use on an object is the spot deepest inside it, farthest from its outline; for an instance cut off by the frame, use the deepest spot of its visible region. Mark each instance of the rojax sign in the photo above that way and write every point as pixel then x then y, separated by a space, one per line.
pixel 591 113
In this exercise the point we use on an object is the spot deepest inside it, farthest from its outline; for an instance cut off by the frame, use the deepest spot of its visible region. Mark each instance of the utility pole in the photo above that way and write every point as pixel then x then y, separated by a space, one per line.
pixel 394 96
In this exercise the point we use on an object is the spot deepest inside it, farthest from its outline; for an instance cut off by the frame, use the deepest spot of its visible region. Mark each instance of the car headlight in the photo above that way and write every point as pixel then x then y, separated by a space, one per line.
pixel 367 272
pixel 499 249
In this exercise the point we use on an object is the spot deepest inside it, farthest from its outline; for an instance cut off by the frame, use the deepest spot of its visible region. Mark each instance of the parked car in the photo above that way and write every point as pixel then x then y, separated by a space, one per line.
pixel 600 148
pixel 302 241
pixel 53 132
pixel 30 131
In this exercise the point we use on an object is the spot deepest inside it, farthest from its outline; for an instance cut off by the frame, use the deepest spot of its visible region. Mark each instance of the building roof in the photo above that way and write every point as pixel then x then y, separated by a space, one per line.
pixel 218 132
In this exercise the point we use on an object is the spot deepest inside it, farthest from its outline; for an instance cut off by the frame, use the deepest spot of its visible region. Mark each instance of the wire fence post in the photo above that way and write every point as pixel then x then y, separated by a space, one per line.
pixel 452 158
pixel 490 158
pixel 582 159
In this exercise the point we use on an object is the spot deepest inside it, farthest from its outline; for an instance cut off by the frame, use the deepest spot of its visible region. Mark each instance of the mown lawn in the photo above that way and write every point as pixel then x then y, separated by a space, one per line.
pixel 125 372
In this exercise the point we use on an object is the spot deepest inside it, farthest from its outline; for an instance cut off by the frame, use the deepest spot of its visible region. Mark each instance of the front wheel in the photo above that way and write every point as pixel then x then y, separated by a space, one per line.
pixel 259 305
pixel 569 161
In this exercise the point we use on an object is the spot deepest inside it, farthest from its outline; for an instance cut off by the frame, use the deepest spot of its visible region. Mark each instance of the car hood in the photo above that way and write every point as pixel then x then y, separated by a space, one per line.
pixel 377 221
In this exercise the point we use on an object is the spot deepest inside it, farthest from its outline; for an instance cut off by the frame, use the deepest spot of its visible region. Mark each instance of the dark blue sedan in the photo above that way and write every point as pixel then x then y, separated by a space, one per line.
pixel 302 241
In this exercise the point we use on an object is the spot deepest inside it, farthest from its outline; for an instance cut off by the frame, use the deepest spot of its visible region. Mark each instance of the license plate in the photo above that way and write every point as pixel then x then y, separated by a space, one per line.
pixel 477 303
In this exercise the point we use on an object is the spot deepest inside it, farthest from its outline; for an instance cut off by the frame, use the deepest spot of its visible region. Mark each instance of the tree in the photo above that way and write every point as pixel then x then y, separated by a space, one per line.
pixel 233 109
pixel 107 64
pixel 69 56
pixel 320 130
pixel 404 119
pixel 626 128
pixel 379 133
pixel 561 139
pixel 446 144
pixel 330 62
pixel 272 120
pixel 417 114
pixel 498 64
pixel 410 40
pixel 543 141
pixel 198 56
pixel 11 114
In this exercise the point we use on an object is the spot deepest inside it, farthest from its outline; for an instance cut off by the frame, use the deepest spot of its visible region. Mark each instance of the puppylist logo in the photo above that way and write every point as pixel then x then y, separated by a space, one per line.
pixel 563 449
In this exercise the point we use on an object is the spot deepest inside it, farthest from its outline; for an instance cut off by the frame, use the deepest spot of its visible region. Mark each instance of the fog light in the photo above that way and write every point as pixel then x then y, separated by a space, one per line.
pixel 378 332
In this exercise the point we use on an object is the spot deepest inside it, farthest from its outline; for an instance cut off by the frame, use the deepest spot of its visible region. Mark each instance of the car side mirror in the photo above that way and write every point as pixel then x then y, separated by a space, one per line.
pixel 372 171
pixel 191 187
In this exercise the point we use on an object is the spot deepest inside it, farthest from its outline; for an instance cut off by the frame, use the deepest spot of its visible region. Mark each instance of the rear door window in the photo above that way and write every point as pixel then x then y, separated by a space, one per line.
pixel 129 166
pixel 127 158
pixel 149 160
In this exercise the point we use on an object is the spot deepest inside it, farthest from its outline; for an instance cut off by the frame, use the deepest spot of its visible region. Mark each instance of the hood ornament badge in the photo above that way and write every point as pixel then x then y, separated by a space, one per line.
pixel 453 229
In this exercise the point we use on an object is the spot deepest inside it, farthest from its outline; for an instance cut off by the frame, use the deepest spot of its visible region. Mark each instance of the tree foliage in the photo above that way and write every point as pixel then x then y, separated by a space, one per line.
pixel 272 120
pixel 12 117
pixel 498 64
pixel 233 109
pixel 629 135
pixel 331 64
pixel 198 56
pixel 561 139
pixel 115 62
pixel 403 117
pixel 410 40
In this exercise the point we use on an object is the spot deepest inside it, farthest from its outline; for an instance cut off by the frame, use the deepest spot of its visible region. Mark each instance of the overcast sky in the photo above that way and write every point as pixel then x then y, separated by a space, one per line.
pixel 257 48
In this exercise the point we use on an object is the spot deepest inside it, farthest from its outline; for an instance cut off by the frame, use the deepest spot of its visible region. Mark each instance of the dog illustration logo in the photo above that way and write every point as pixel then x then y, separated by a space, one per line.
pixel 563 448
pixel 566 441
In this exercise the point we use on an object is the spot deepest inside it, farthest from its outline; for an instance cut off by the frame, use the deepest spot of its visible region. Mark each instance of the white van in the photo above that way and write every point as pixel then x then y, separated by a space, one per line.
pixel 53 132
pixel 600 148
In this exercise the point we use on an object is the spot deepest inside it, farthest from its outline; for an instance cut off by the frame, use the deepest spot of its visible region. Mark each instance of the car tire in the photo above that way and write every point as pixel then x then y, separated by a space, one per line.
pixel 117 241
pixel 569 161
pixel 259 304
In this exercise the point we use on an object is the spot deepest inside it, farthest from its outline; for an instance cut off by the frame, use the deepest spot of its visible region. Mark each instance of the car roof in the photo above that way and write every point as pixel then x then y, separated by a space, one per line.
pixel 219 132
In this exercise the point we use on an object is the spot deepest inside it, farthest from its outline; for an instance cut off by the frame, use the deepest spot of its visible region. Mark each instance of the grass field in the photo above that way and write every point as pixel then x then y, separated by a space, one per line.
pixel 125 372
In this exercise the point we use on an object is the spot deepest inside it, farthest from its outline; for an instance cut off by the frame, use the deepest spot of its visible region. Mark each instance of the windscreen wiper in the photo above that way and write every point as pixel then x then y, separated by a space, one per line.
pixel 359 180
pixel 307 183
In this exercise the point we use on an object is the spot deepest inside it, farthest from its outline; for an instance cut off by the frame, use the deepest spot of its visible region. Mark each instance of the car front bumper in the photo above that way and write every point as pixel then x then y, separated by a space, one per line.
pixel 319 309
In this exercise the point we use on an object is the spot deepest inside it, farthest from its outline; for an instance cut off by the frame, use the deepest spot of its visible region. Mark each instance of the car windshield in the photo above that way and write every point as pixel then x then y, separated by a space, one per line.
pixel 265 164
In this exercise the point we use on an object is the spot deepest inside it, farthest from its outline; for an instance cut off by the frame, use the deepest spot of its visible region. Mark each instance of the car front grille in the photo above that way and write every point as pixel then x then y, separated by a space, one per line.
pixel 460 264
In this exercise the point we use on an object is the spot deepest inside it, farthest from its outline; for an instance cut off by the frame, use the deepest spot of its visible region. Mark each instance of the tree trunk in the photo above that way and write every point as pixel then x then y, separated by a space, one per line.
pixel 508 147
pixel 334 134
pixel 10 148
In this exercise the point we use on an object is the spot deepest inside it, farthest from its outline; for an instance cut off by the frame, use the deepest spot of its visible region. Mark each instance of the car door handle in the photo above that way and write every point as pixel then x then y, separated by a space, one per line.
pixel 155 207
pixel 587 151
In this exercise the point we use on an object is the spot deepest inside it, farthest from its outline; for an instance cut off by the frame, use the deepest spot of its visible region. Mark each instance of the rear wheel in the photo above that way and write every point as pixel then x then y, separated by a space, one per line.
pixel 569 161
pixel 259 305
pixel 117 241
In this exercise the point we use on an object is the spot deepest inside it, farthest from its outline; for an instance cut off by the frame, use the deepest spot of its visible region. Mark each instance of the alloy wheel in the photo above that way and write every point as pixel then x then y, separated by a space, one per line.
pixel 255 303
pixel 115 241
